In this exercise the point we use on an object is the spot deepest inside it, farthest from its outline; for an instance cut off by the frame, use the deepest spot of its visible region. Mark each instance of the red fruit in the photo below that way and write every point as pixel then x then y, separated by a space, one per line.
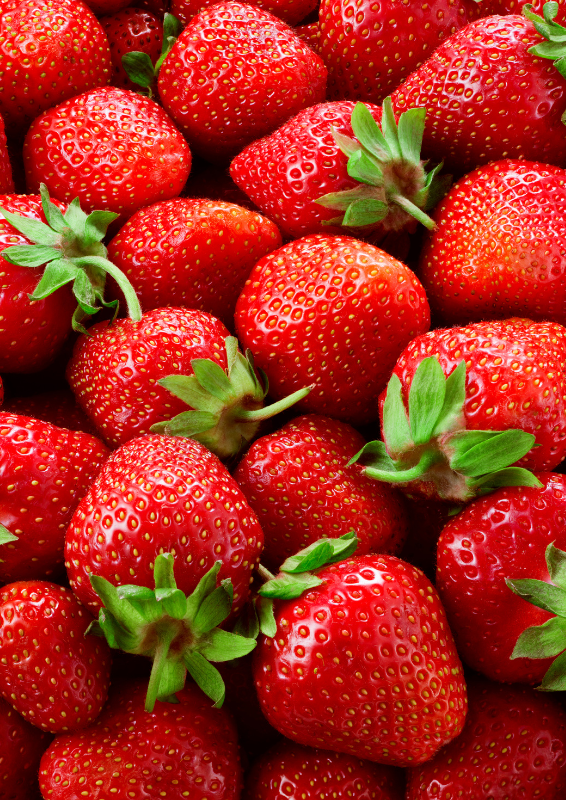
pixel 298 483
pixel 504 535
pixel 290 11
pixel 161 494
pixel 194 253
pixel 311 35
pixel 319 310
pixel 142 157
pixel 281 76
pixel 290 770
pixel 370 48
pixel 364 664
pixel 51 673
pixel 183 750
pixel 50 50
pixel 513 745
pixel 483 80
pixel 22 748
pixel 45 472
pixel 131 30
pixel 499 246
pixel 57 406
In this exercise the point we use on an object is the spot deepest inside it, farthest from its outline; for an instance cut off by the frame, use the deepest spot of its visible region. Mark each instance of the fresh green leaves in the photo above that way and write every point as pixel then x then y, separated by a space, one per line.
pixel 554 48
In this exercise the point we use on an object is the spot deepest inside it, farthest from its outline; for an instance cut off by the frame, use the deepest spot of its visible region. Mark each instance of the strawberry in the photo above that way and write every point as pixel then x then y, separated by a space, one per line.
pixel 195 253
pixel 513 745
pixel 486 78
pixel 22 747
pixel 370 48
pixel 50 672
pixel 142 158
pixel 131 30
pixel 290 770
pixel 183 750
pixel 45 472
pixel 290 11
pixel 498 246
pixel 298 483
pixel 363 663
pixel 281 76
pixel 479 399
pixel 332 311
pixel 72 50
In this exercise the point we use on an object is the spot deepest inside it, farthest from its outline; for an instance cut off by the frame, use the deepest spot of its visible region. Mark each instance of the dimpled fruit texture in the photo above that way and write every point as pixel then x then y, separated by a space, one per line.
pixel 161 494
pixel 364 664
pixel 112 148
pixel 334 312
pixel 270 74
pixel 183 750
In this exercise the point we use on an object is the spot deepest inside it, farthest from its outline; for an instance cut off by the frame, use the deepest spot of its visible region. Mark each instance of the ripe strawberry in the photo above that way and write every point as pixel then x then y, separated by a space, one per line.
pixel 485 79
pixel 479 399
pixel 183 750
pixel 513 745
pixel 142 157
pixel 298 483
pixel 194 253
pixel 364 663
pixel 281 76
pixel 45 472
pixel 370 48
pixel 499 246
pixel 50 50
pixel 50 672
pixel 131 30
pixel 22 747
pixel 290 770
pixel 290 11
pixel 335 312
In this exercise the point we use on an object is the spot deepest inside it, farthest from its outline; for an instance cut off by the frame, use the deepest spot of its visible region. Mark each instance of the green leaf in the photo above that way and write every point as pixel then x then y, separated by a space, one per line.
pixel 542 641
pixel 172 26
pixel 541 594
pixel 267 623
pixel 6 536
pixel 396 430
pixel 224 646
pixel 389 129
pixel 361 213
pixel 171 680
pixel 410 131
pixel 213 610
pixel 347 145
pixel 494 454
pixel 57 274
pixel 125 614
pixel 96 226
pixel 187 423
pixel 374 454
pixel 115 634
pixel 75 218
pixel 29 255
pixel 287 587
pixel 426 399
pixel 321 553
pixel 163 572
pixel 188 389
pixel 139 68
pixel 451 416
pixel 53 215
pixel 212 377
pixel 247 623
pixel 556 563
pixel 173 601
pixel 35 230
pixel 231 344
pixel 205 587
pixel 362 168
pixel 367 131
pixel 555 677
pixel 512 476
pixel 206 676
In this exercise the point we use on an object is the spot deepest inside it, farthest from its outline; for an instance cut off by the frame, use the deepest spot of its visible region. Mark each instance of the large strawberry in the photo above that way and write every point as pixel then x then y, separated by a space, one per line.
pixel 52 674
pixel 332 311
pixel 465 405
pixel 281 76
pixel 22 747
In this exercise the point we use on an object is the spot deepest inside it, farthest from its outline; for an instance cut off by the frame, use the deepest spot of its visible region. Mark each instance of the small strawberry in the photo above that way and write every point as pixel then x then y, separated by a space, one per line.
pixel 22 747
pixel 131 30
pixel 50 672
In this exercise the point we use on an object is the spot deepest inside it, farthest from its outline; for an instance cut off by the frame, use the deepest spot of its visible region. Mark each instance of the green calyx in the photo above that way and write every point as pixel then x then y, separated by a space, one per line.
pixel 226 405
pixel 139 67
pixel 549 639
pixel 430 443
pixel 179 633
pixel 6 536
pixel 70 246
pixel 395 186
pixel 554 48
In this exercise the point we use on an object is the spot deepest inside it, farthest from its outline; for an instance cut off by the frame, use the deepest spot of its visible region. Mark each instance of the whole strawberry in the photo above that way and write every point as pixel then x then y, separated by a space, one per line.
pixel 50 672
pixel 363 663
pixel 281 76
pixel 184 750
pixel 22 747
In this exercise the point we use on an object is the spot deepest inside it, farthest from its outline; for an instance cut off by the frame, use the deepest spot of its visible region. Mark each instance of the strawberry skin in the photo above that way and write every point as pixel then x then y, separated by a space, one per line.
pixel 142 157
pixel 298 483
pixel 334 312
pixel 364 664
pixel 187 749
pixel 162 494
pixel 483 80
pixel 22 747
pixel 52 674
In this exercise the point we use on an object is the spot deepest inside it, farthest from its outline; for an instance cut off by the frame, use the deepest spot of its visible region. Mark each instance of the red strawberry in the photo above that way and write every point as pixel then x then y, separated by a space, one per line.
pixel 310 34
pixel 22 747
pixel 195 253
pixel 499 245
pixel 131 30
pixel 290 770
pixel 370 48
pixel 335 312
pixel 364 663
pixel 281 76
pixel 184 750
pixel 72 56
pixel 484 79
pixel 45 472
pixel 53 675
pixel 298 483
pixel 513 745
pixel 142 158
pixel 290 11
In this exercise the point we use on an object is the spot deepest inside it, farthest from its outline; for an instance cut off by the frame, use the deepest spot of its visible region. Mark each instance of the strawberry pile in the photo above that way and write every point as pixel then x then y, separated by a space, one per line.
pixel 282 400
